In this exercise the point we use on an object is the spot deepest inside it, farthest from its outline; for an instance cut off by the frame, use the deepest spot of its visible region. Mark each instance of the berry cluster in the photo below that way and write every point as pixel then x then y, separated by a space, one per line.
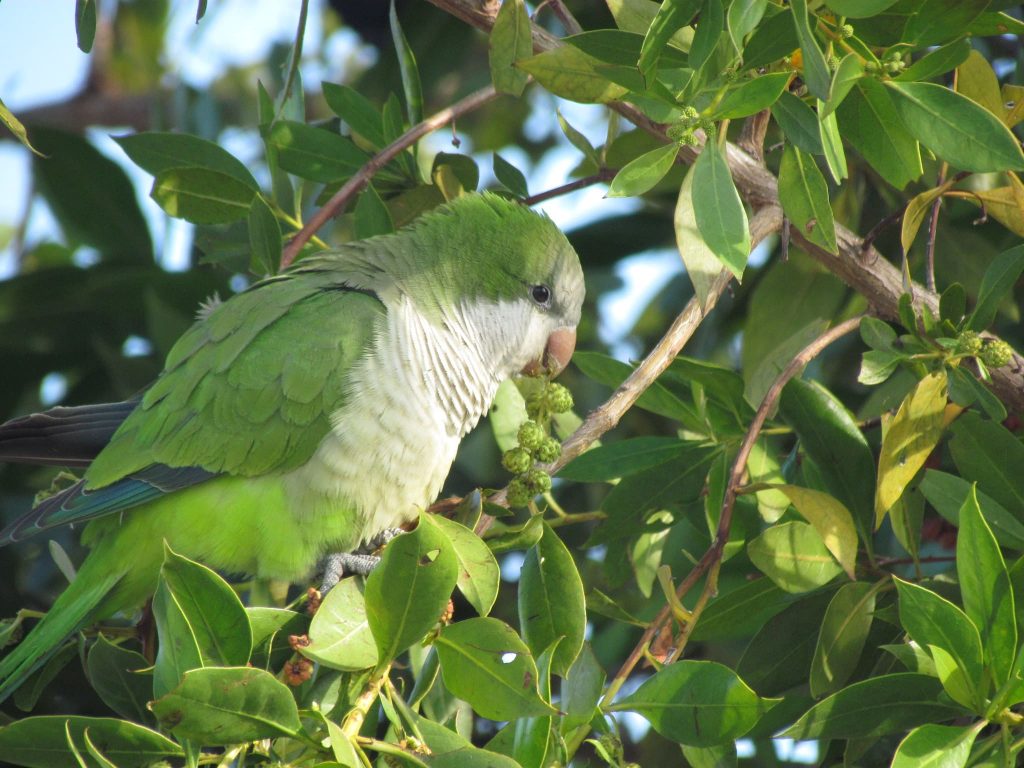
pixel 994 353
pixel 682 131
pixel 535 444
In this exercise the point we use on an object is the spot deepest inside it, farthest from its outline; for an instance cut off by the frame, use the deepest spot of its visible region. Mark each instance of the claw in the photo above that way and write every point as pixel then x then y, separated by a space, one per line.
pixel 341 563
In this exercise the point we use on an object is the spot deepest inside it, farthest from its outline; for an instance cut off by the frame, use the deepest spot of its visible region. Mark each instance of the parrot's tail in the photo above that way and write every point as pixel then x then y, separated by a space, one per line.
pixel 72 610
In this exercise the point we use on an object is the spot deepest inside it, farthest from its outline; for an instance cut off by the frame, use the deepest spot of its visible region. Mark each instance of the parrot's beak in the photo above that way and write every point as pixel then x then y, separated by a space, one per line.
pixel 561 344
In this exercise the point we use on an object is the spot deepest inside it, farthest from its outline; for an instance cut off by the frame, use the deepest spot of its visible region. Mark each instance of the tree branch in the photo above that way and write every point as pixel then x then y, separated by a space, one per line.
pixel 863 269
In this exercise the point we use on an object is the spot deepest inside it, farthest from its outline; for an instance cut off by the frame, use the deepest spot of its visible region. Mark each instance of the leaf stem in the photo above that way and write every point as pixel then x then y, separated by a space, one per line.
pixel 355 716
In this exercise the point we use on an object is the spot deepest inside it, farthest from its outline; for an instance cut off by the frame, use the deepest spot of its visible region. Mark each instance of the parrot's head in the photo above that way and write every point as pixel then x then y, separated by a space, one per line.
pixel 507 274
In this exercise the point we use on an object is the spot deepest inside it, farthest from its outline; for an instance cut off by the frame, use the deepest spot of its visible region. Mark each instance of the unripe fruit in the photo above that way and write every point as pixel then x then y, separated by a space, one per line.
pixel 995 353
pixel 516 460
pixel 549 450
pixel 519 494
pixel 530 435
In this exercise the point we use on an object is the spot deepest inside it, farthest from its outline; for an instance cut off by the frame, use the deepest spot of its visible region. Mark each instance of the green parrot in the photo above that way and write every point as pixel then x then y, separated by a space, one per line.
pixel 304 416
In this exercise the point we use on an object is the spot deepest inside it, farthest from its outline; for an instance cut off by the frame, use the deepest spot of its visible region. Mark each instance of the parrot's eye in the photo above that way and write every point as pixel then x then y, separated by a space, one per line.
pixel 541 294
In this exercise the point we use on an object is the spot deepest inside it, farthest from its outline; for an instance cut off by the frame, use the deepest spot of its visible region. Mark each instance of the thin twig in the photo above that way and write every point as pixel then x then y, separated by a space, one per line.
pixel 354 186
pixel 933 225
pixel 605 174
pixel 712 558
pixel 293 64
pixel 565 16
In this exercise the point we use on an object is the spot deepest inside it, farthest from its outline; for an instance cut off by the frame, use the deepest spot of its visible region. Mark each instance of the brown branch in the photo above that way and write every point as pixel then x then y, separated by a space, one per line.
pixel 605 174
pixel 863 269
pixel 933 226
pixel 355 185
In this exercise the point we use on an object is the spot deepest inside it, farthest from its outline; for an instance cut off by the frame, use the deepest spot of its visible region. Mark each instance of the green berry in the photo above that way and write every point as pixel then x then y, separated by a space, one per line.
pixel 995 353
pixel 690 113
pixel 535 404
pixel 549 450
pixel 846 31
pixel 968 343
pixel 519 494
pixel 870 66
pixel 559 398
pixel 833 62
pixel 537 480
pixel 530 435
pixel 517 461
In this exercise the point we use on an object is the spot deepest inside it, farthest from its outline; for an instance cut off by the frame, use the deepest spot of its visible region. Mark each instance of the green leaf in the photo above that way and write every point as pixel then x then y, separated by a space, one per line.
pixel 706 38
pixel 199 621
pixel 407 66
pixel 986 590
pixel 804 197
pixel 264 238
pixel 484 662
pixel 578 140
pixel 40 742
pixel 909 440
pixel 479 576
pixel 830 436
pixel 407 592
pixel 859 9
pixel 832 143
pixel 742 18
pixel 990 455
pixel 271 628
pixel 85 24
pixel 581 690
pixel 874 707
pixel 656 399
pixel 117 675
pixel 815 70
pixel 702 266
pixel 869 121
pixel 938 21
pixel 849 71
pixel 316 154
pixel 794 557
pixel 1000 277
pixel 672 16
pixel 752 96
pixel 228 705
pixel 779 655
pixel 340 635
pixel 699 703
pixel 798 122
pixel 551 601
pixel 774 38
pixel 13 124
pixel 510 177
pixel 936 746
pixel 568 72
pixel 511 41
pixel 621 459
pixel 157 151
pixel 933 621
pixel 455 174
pixel 362 117
pixel 621 48
pixel 372 217
pixel 956 129
pixel 644 172
pixel 976 80
pixel 948 493
pixel 937 62
pixel 844 631
pixel 741 611
pixel 719 212
pixel 202 196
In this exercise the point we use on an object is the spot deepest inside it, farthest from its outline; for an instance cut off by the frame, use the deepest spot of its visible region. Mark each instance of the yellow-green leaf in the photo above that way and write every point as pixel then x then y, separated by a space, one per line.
pixel 568 72
pixel 831 519
pixel 511 41
pixel 911 437
pixel 976 80
pixel 702 266
pixel 14 125
pixel 916 210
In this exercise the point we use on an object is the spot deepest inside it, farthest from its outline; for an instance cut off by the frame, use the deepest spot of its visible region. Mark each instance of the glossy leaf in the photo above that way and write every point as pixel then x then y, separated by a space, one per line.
pixel 986 589
pixel 699 703
pixel 719 212
pixel 918 207
pixel 479 576
pixel 741 611
pixel 937 62
pixel 671 16
pixel 830 519
pixel 849 71
pixel 977 81
pixel 314 153
pixel 752 96
pixel 798 123
pixel 844 631
pixel 511 41
pixel 485 663
pixel 804 197
pixel 1000 277
pixel 874 707
pixel 702 266
pixel 158 151
pixel 551 601
pixel 909 440
pixel 869 121
pixel 936 746
pixel 509 176
pixel 955 128
pixel 988 454
pixel 621 459
pixel 407 67
pixel 932 620
pixel 937 21
pixel 857 9
pixel 118 675
pixel 815 70
pixel 85 24
pixel 742 18
pixel 568 72
pixel 202 196
pixel 362 117
pixel 581 690
pixel 40 742
pixel 948 493
pixel 339 634
pixel 794 557
pixel 410 588
pixel 832 144
pixel 228 705
pixel 641 174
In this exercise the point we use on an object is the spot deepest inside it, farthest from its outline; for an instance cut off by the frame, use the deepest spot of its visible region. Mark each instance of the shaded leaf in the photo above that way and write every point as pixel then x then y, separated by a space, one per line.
pixel 844 632
pixel 804 197
pixel 479 576
pixel 719 212
pixel 641 174
pixel 40 742
pixel 794 557
pixel 339 634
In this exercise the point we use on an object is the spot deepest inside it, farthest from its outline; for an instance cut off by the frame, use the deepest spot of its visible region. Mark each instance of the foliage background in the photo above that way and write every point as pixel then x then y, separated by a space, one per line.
pixel 79 293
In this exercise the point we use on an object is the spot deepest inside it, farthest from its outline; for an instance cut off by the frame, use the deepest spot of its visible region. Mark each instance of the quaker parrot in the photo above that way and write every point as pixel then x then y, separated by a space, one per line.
pixel 304 415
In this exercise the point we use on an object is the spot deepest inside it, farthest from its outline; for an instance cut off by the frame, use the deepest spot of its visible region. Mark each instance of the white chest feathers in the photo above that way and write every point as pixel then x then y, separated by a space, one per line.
pixel 408 404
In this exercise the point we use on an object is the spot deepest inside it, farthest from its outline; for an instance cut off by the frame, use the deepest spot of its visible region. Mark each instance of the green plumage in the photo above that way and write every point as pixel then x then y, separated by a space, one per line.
pixel 305 414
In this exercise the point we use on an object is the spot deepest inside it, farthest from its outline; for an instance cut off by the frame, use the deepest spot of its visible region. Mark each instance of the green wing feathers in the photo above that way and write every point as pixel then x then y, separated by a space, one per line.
pixel 250 389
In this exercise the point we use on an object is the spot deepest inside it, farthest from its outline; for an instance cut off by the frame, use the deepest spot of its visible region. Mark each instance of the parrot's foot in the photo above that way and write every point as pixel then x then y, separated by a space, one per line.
pixel 339 564
pixel 382 538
